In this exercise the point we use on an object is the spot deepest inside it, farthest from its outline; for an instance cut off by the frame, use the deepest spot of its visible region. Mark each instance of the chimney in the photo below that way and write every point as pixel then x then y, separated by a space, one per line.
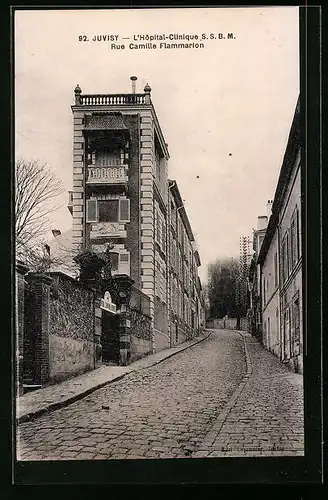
pixel 133 79
pixel 262 222
pixel 269 208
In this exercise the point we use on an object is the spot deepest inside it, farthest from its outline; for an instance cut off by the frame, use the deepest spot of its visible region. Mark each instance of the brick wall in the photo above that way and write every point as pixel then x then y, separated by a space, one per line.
pixel 36 329
pixel 71 328
pixel 21 284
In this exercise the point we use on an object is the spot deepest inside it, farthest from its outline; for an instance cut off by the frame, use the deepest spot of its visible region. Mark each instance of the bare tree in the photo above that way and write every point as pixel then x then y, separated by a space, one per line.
pixel 36 188
pixel 43 259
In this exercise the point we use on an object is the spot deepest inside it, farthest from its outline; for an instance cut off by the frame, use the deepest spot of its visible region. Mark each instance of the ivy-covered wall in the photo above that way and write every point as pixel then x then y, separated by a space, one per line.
pixel 71 328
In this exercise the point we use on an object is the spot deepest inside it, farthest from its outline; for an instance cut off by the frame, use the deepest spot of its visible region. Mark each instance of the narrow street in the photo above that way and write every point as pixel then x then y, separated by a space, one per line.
pixel 213 399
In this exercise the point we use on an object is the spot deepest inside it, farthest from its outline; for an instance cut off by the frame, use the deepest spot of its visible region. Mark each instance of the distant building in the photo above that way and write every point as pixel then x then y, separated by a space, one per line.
pixel 280 261
pixel 123 203
pixel 255 310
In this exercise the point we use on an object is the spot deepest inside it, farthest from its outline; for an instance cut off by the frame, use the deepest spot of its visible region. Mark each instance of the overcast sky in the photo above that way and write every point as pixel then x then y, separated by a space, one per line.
pixel 225 110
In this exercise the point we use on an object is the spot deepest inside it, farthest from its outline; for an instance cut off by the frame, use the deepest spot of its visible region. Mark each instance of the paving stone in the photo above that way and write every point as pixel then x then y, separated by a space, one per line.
pixel 169 409
pixel 254 414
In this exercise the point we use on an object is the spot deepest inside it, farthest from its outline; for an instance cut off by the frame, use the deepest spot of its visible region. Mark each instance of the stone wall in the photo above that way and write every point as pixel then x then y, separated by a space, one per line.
pixel 162 340
pixel 140 334
pixel 227 324
pixel 71 328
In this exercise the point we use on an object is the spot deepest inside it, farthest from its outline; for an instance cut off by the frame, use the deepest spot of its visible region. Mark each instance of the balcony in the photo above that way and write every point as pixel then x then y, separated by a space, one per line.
pixel 112 99
pixel 108 175
pixel 70 201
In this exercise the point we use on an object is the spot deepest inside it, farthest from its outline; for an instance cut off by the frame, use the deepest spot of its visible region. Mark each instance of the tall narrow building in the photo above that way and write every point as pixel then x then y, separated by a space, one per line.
pixel 121 197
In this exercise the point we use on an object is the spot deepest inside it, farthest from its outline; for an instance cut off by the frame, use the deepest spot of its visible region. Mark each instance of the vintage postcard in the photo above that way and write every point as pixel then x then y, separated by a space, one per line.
pixel 159 235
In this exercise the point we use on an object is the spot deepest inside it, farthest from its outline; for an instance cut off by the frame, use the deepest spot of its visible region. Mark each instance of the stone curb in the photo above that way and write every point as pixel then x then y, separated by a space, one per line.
pixel 216 428
pixel 76 397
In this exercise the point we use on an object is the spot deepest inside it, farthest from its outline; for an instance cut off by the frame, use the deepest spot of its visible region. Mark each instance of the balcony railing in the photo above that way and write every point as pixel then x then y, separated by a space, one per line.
pixel 107 175
pixel 112 99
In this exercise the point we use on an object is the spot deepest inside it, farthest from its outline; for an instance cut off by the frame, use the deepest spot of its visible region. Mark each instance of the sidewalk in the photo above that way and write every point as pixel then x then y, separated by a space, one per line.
pixel 56 396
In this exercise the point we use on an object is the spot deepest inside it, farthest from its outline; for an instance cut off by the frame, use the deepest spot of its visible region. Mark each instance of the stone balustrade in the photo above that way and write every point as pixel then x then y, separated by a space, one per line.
pixel 107 175
pixel 112 99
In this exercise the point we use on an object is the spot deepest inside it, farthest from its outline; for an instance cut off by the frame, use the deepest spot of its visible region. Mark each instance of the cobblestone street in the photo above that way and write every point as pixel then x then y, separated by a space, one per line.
pixel 204 401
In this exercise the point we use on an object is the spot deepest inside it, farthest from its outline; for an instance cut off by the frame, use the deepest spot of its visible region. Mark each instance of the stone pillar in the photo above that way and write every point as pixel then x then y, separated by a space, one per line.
pixel 124 283
pixel 147 91
pixel 78 172
pixel 39 313
pixel 147 175
pixel 21 270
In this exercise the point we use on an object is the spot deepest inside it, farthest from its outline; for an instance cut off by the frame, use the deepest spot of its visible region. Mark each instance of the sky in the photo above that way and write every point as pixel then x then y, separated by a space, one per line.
pixel 225 110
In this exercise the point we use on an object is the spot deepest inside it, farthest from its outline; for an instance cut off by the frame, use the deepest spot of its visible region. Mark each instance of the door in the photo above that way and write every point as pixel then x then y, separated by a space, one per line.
pixel 110 337
pixel 296 328
pixel 287 333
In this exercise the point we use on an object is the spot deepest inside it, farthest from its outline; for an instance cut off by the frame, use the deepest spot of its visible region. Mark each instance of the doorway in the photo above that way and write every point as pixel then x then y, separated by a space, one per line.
pixel 110 341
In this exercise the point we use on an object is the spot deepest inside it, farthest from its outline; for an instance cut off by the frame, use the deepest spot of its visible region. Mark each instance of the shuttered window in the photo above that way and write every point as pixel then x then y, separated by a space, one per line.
pixel 113 258
pixel 92 215
pixel 163 236
pixel 124 210
pixel 115 210
pixel 124 257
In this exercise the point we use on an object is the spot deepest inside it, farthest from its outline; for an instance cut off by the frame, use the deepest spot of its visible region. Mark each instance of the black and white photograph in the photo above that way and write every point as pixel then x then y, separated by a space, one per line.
pixel 159 267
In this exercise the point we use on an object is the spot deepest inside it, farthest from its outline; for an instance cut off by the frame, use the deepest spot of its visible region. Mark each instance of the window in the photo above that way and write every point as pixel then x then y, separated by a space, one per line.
pixel 294 239
pixel 275 270
pixel 298 250
pixel 285 258
pixel 124 210
pixel 106 158
pixel 264 291
pixel 92 212
pixel 158 228
pixel 113 259
pixel 114 210
pixel 124 257
pixel 173 220
pixel 158 164
pixel 108 210
pixel 163 236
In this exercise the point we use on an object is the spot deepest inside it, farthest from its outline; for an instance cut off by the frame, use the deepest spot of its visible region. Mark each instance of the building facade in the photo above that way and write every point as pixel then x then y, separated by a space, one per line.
pixel 185 290
pixel 280 261
pixel 122 202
